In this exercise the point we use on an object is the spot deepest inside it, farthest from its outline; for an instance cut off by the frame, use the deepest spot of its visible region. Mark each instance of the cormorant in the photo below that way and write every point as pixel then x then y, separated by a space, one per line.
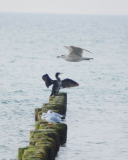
pixel 58 84
pixel 75 54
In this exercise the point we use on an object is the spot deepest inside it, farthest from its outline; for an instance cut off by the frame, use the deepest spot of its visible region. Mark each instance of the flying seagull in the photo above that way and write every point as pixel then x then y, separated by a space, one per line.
pixel 75 54
pixel 58 84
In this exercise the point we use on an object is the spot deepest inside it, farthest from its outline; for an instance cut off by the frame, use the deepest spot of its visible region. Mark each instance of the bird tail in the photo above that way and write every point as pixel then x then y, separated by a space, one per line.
pixel 87 58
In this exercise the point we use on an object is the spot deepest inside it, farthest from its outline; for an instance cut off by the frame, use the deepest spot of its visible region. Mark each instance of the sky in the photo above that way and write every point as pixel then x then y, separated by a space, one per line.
pixel 91 7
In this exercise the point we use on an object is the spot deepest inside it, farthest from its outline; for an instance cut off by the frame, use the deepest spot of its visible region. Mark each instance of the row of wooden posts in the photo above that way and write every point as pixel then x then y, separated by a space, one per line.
pixel 45 140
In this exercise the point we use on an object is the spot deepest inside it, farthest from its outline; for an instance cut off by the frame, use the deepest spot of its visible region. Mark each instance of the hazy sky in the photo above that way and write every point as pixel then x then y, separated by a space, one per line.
pixel 111 7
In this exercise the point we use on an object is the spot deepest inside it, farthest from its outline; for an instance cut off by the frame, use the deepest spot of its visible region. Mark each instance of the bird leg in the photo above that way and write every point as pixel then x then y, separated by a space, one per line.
pixel 56 94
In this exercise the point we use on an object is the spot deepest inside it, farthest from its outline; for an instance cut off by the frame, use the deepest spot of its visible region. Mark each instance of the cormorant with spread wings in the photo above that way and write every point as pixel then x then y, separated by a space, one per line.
pixel 58 84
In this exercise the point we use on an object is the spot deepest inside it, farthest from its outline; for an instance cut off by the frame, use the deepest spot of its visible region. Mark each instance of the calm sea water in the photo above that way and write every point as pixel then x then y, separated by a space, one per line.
pixel 97 111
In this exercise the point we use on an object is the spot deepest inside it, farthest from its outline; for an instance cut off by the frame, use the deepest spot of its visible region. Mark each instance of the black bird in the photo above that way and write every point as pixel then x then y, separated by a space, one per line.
pixel 58 84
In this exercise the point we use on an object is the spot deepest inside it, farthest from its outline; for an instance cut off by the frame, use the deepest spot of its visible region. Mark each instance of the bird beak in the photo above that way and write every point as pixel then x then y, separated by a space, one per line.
pixel 58 56
pixel 60 73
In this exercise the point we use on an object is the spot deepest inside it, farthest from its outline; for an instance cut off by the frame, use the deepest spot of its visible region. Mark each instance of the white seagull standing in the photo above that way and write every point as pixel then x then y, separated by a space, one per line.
pixel 56 114
pixel 75 54
pixel 50 118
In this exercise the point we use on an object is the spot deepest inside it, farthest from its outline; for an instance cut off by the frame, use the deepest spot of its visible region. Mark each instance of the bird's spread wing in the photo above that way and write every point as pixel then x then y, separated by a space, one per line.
pixel 76 51
pixel 48 80
pixel 69 48
pixel 87 50
pixel 66 83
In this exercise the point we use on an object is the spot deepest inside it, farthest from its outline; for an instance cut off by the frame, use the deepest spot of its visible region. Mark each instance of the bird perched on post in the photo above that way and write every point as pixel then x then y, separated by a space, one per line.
pixel 56 114
pixel 75 54
pixel 58 84
pixel 51 118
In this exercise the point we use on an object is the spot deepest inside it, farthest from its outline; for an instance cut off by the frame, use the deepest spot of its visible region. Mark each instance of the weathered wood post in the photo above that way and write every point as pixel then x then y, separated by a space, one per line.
pixel 46 140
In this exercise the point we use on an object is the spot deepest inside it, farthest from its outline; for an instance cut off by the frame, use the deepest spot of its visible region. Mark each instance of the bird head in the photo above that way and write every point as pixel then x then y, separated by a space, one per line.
pixel 43 116
pixel 57 74
pixel 49 111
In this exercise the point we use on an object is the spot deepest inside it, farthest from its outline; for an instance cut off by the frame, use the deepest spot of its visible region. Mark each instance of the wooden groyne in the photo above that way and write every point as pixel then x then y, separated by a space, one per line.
pixel 45 140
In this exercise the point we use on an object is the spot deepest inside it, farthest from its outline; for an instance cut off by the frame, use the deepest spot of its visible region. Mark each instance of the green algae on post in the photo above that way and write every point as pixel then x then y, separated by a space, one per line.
pixel 45 140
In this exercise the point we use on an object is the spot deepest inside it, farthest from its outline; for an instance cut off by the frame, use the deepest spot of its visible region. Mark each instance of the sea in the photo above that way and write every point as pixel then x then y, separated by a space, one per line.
pixel 97 110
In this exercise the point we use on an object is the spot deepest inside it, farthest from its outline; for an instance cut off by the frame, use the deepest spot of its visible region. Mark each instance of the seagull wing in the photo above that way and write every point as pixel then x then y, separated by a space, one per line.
pixel 87 51
pixel 69 48
pixel 48 80
pixel 55 119
pixel 76 51
pixel 66 83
